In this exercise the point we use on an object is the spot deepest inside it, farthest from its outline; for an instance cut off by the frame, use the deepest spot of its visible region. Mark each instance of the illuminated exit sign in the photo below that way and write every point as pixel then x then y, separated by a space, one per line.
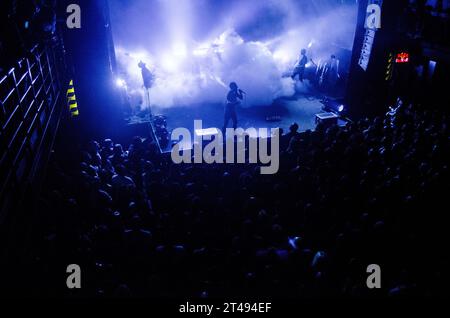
pixel 402 57
pixel 372 23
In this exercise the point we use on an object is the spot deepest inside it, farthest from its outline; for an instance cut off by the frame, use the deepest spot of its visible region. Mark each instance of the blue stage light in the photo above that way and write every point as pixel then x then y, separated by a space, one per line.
pixel 335 106
pixel 120 82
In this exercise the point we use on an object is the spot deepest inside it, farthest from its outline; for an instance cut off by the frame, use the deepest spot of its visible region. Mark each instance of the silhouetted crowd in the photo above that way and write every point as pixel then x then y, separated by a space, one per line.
pixel 370 192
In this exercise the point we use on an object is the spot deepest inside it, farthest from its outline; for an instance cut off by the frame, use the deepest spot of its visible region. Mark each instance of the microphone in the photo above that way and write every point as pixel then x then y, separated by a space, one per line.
pixel 242 92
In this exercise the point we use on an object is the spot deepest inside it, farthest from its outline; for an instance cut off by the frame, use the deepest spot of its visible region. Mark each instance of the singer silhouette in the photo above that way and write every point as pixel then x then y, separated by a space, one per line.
pixel 147 75
pixel 235 95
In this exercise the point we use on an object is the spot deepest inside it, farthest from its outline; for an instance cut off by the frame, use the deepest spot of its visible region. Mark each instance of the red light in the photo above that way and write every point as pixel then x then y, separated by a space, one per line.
pixel 402 57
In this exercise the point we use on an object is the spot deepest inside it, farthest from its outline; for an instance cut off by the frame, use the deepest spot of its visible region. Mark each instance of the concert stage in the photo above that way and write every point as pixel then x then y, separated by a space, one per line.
pixel 282 113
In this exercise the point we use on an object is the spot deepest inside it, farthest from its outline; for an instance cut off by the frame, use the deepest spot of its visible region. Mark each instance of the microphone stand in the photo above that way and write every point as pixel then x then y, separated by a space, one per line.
pixel 149 106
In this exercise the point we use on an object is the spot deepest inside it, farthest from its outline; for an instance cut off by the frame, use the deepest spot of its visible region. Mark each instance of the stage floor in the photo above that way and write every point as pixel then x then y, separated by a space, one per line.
pixel 301 109
pixel 281 113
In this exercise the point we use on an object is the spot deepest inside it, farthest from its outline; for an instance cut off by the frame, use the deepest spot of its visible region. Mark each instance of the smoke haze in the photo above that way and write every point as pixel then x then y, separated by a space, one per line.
pixel 196 47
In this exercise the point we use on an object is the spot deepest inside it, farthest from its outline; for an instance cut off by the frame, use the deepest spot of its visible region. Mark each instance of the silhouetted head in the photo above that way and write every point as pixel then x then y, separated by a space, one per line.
pixel 293 128
pixel 333 56
pixel 118 149
pixel 108 143
pixel 233 86
pixel 303 51
pixel 141 64
pixel 120 170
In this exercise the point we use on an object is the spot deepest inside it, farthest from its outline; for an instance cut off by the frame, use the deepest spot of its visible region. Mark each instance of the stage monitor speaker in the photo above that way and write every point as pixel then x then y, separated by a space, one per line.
pixel 206 132
pixel 327 119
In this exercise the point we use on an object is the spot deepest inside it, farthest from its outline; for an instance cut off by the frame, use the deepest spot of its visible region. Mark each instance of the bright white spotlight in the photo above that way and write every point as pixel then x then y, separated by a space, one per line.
pixel 341 108
pixel 179 49
pixel 170 62
pixel 120 82
pixel 310 44
pixel 281 55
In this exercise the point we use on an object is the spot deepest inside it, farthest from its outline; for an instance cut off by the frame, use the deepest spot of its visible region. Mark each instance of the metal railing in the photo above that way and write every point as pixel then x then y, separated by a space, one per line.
pixel 31 103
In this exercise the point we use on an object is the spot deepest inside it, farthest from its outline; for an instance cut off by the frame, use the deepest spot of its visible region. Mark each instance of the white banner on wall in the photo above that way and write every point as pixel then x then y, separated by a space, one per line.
pixel 371 24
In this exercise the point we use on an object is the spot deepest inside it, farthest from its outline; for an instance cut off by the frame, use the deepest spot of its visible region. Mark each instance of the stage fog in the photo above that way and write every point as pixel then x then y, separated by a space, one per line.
pixel 195 48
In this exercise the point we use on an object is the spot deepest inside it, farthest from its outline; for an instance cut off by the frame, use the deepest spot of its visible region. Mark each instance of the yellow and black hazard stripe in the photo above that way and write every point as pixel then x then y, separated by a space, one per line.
pixel 72 100
pixel 389 68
